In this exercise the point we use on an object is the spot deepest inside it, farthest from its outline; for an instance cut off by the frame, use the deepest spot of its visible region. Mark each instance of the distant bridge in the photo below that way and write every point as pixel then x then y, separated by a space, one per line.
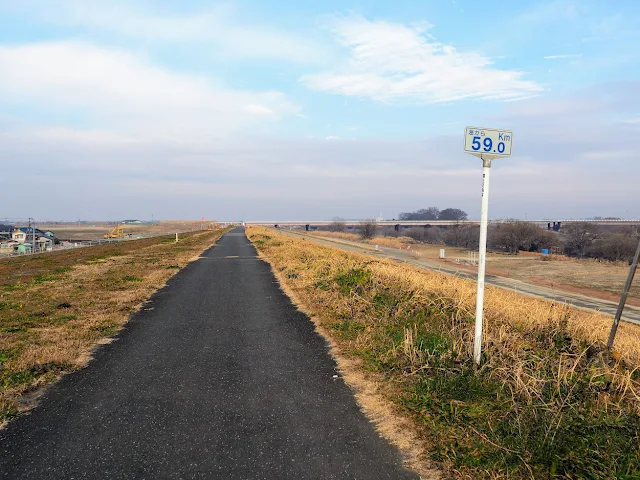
pixel 398 224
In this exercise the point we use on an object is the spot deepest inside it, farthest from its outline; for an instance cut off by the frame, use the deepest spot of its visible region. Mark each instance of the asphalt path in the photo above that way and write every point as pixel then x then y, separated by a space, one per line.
pixel 630 314
pixel 219 376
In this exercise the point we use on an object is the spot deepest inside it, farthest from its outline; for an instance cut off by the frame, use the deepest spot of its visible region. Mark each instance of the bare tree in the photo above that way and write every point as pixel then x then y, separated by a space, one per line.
pixel 579 237
pixel 614 247
pixel 470 237
pixel 433 235
pixel 465 236
pixel 337 225
pixel 367 229
pixel 517 235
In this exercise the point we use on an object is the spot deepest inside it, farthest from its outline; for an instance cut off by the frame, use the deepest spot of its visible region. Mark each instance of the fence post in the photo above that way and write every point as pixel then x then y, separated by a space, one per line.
pixel 623 298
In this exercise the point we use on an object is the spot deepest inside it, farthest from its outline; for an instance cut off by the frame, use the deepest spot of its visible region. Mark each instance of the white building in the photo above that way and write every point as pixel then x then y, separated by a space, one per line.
pixel 19 236
pixel 44 243
pixel 9 245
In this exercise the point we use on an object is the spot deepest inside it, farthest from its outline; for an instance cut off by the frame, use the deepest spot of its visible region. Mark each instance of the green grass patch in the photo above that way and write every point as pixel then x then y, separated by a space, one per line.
pixel 12 287
pixel 10 306
pixel 44 278
pixel 106 328
pixel 353 281
pixel 131 278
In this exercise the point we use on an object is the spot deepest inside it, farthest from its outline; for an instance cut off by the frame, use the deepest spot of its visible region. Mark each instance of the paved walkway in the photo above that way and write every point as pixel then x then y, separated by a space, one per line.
pixel 219 377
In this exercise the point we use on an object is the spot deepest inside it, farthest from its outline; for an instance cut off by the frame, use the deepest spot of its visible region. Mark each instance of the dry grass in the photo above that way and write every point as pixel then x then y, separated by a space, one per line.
pixel 547 400
pixel 55 307
pixel 392 242
pixel 587 276
pixel 96 231
pixel 558 270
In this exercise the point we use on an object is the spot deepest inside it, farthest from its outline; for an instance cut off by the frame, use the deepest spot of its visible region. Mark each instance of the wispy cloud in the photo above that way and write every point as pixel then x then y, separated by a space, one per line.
pixel 218 27
pixel 391 62
pixel 564 56
pixel 546 11
pixel 115 89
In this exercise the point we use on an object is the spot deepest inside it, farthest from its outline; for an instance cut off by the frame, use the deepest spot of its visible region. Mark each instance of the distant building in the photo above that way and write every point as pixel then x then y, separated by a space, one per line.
pixel 44 243
pixel 29 231
pixel 19 236
pixel 8 245
pixel 24 248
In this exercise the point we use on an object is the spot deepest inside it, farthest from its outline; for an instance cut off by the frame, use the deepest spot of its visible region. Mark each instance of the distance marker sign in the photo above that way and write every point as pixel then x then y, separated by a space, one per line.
pixel 487 141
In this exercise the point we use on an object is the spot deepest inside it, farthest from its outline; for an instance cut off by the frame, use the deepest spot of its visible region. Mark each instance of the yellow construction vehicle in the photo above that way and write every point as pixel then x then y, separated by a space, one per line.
pixel 117 232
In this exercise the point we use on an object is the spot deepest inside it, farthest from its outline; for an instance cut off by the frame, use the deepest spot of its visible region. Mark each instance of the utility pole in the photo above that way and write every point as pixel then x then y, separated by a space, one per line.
pixel 623 298
pixel 32 225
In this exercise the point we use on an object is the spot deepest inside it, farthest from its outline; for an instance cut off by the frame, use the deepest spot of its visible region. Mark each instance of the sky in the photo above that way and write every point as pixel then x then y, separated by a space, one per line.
pixel 284 110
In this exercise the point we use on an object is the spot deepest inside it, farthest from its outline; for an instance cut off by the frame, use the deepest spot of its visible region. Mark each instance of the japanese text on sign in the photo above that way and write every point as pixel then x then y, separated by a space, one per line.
pixel 487 141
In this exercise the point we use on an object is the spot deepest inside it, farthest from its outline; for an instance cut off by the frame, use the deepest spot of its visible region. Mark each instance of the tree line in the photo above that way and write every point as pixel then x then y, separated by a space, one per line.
pixel 434 213
pixel 580 240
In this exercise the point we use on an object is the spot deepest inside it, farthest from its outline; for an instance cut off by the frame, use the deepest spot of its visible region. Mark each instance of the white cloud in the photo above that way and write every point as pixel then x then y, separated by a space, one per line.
pixel 331 137
pixel 564 56
pixel 217 27
pixel 390 62
pixel 258 110
pixel 610 155
pixel 126 93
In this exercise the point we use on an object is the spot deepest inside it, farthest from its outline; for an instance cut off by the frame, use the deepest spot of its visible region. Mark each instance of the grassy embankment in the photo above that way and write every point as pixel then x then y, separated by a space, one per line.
pixel 392 242
pixel 546 403
pixel 55 307
pixel 587 276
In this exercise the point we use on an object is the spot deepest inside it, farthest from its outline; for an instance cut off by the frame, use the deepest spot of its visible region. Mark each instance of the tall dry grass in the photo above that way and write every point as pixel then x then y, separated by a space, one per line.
pixel 548 399
pixel 393 242
pixel 502 307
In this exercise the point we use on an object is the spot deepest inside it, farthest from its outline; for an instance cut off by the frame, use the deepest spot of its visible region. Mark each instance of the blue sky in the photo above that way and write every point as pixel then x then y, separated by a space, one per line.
pixel 286 110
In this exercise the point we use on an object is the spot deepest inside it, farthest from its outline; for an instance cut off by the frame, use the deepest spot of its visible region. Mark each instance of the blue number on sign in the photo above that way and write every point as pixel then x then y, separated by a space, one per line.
pixel 501 147
pixel 475 145
pixel 487 144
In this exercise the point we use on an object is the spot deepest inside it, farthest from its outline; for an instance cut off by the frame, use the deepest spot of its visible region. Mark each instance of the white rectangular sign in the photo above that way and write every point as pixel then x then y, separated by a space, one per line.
pixel 487 141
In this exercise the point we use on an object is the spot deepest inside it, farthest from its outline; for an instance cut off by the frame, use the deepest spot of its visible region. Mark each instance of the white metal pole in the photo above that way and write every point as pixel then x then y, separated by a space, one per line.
pixel 484 220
